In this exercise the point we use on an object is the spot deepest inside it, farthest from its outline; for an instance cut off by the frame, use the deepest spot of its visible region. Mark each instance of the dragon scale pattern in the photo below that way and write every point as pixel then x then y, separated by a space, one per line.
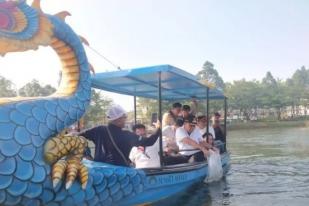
pixel 27 124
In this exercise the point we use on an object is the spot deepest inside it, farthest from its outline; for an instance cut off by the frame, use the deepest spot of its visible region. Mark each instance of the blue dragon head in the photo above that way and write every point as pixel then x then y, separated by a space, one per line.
pixel 23 27
pixel 28 124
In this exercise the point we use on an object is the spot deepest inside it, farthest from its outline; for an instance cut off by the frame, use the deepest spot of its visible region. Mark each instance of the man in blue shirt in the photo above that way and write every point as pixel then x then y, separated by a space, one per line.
pixel 112 143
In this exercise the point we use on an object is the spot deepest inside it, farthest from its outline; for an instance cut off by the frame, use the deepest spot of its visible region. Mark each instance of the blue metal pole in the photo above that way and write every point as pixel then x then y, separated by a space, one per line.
pixel 160 118
pixel 207 110
pixel 225 116
pixel 135 110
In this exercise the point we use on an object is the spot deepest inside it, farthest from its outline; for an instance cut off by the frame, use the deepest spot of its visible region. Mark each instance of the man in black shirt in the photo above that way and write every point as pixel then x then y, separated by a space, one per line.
pixel 217 128
pixel 112 143
pixel 220 135
pixel 186 112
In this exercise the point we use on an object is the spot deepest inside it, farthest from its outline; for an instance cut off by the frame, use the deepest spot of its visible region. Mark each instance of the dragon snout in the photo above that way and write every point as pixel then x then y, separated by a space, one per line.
pixel 20 23
pixel 7 20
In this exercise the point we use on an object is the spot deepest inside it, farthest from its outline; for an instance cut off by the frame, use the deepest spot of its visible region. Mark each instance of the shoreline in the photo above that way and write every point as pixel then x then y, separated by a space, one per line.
pixel 267 124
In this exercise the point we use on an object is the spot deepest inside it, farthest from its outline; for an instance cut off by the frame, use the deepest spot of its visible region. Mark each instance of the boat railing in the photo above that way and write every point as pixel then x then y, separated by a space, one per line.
pixel 174 168
pixel 219 144
pixel 189 150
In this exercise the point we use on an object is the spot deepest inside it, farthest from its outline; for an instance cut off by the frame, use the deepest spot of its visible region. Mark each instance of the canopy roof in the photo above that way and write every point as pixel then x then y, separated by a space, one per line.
pixel 176 84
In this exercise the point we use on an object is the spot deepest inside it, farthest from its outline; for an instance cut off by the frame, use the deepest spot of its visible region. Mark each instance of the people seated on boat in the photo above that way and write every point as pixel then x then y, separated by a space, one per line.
pixel 112 143
pixel 219 134
pixel 171 151
pixel 186 112
pixel 148 157
pixel 144 157
pixel 169 117
pixel 168 136
pixel 190 141
pixel 202 124
pixel 210 142
pixel 140 130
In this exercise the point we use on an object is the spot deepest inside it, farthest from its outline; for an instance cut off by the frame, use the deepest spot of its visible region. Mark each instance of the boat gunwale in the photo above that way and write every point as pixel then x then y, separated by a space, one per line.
pixel 178 168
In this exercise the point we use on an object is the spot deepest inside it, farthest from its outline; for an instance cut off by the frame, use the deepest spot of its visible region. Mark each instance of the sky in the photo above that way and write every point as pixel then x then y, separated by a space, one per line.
pixel 243 39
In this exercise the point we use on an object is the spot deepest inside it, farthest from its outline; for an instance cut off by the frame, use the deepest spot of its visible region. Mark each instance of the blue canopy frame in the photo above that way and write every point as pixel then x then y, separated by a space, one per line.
pixel 176 84
pixel 162 82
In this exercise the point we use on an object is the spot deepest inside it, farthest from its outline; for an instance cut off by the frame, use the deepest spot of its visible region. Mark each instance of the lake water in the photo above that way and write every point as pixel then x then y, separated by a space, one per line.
pixel 269 167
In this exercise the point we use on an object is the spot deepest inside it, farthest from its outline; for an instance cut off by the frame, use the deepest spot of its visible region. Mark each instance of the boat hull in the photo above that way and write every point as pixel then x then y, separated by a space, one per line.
pixel 166 182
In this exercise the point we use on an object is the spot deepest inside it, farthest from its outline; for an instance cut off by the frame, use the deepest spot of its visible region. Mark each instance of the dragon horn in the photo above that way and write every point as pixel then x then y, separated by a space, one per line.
pixel 36 4
pixel 84 40
pixel 63 14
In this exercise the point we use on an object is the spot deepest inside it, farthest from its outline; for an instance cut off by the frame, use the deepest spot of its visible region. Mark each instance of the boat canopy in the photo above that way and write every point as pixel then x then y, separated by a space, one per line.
pixel 176 84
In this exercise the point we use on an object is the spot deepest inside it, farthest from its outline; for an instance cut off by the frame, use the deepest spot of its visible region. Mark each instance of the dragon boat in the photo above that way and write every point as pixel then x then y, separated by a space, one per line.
pixel 164 83
pixel 39 165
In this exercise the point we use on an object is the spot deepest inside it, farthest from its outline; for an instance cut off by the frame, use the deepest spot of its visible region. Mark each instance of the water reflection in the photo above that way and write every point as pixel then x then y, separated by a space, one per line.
pixel 209 194
pixel 269 167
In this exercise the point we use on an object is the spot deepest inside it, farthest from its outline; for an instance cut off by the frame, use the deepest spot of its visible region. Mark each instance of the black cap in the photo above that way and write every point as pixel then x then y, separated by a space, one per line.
pixel 206 134
pixel 138 126
pixel 179 121
pixel 186 107
pixel 177 105
pixel 217 114
pixel 190 119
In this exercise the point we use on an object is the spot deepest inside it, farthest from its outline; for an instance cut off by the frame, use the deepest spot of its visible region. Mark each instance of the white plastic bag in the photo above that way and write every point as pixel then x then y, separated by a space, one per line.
pixel 149 158
pixel 215 171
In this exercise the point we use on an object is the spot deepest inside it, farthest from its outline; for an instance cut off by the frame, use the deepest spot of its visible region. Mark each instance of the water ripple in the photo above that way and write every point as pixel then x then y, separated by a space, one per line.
pixel 269 167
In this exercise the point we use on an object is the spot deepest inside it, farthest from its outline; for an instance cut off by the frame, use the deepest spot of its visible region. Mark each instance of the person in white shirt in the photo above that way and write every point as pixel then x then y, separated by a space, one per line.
pixel 190 141
pixel 170 147
pixel 169 137
pixel 144 157
pixel 148 157
pixel 202 125
pixel 170 117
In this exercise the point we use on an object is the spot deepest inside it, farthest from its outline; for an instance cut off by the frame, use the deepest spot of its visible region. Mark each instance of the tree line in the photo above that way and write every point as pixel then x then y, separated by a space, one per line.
pixel 246 97
pixel 268 98
pixel 271 95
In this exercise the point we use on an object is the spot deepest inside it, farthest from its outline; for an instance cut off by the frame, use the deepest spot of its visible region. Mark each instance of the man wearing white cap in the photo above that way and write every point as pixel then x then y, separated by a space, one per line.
pixel 112 143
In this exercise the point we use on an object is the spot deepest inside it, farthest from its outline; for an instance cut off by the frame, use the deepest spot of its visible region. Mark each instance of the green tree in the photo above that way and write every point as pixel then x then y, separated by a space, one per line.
pixel 269 80
pixel 96 113
pixel 272 94
pixel 34 89
pixel 48 90
pixel 6 88
pixel 146 107
pixel 244 95
pixel 297 88
pixel 210 74
pixel 301 84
